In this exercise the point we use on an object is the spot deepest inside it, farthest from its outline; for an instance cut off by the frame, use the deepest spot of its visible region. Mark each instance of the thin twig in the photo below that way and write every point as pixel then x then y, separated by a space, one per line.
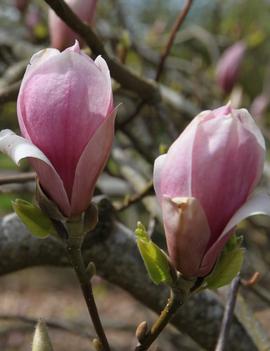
pixel 173 33
pixel 131 117
pixel 18 178
pixel 174 302
pixel 144 88
pixel 138 145
pixel 131 200
pixel 76 260
pixel 178 295
pixel 228 315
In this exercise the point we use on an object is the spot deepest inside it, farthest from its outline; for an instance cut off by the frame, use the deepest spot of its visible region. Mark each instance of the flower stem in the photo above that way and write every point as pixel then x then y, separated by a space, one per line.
pixel 76 260
pixel 174 302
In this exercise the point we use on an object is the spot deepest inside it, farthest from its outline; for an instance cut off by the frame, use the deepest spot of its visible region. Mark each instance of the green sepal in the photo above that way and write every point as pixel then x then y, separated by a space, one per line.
pixel 155 260
pixel 34 219
pixel 228 265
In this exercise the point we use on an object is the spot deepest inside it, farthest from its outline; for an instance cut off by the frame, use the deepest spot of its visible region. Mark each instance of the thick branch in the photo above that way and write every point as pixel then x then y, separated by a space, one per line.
pixel 146 89
pixel 113 249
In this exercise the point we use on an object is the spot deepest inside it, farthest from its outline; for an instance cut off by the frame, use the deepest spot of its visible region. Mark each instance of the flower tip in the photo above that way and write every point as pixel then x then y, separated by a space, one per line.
pixel 75 47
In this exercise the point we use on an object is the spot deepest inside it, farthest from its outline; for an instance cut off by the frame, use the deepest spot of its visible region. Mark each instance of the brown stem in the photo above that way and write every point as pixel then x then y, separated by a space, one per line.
pixel 75 256
pixel 173 33
pixel 137 197
pixel 228 315
pixel 144 88
pixel 18 178
pixel 174 302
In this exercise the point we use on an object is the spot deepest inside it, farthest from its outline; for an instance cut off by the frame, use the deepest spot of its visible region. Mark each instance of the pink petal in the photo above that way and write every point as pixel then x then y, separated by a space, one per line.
pixel 179 183
pixel 257 204
pixel 187 233
pixel 91 164
pixel 61 105
pixel 158 166
pixel 227 162
pixel 18 148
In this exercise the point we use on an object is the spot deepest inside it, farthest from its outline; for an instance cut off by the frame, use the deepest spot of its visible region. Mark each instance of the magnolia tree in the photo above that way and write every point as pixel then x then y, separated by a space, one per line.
pixel 204 180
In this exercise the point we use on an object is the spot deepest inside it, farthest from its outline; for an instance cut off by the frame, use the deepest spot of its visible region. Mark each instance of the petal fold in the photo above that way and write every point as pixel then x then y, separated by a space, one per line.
pixel 18 148
pixel 257 204
pixel 91 164
pixel 187 233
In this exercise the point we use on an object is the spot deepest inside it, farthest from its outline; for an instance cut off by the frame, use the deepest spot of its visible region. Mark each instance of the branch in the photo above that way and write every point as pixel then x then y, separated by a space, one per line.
pixel 228 315
pixel 18 178
pixel 173 33
pixel 113 249
pixel 9 93
pixel 144 88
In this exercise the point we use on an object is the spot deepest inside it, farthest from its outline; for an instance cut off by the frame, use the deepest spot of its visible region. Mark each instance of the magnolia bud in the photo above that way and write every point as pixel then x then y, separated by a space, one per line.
pixel 141 331
pixel 41 340
pixel 205 183
pixel 66 115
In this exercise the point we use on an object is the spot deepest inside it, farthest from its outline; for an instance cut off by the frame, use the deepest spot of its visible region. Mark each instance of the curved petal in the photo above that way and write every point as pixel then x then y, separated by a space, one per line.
pixel 91 164
pixel 60 106
pixel 227 161
pixel 18 148
pixel 180 154
pixel 103 67
pixel 158 165
pixel 187 233
pixel 256 204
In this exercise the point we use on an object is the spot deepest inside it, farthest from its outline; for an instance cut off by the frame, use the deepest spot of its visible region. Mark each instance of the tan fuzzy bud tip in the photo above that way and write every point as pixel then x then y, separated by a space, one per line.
pixel 41 340
pixel 97 345
pixel 141 331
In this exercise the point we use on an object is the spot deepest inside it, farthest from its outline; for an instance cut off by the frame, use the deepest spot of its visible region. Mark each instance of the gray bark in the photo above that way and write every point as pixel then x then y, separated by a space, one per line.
pixel 113 249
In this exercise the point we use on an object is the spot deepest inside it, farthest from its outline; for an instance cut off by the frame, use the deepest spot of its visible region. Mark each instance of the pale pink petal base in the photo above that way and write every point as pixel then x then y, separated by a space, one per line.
pixel 257 204
pixel 18 148
pixel 91 164
pixel 158 165
pixel 187 233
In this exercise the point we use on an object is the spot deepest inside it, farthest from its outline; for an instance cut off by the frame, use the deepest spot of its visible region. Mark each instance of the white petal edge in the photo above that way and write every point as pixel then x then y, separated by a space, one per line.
pixel 250 124
pixel 17 147
pixel 257 204
pixel 158 165
pixel 39 58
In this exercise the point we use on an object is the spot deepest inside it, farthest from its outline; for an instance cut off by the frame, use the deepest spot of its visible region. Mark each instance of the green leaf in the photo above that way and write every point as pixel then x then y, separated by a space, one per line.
pixel 154 258
pixel 34 219
pixel 228 265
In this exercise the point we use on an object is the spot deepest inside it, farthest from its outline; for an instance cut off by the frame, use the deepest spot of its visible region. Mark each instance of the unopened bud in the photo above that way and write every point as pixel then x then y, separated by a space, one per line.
pixel 141 331
pixel 41 340
pixel 97 345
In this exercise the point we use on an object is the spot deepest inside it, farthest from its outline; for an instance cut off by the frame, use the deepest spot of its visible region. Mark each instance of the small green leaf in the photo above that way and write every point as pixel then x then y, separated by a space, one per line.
pixel 154 258
pixel 228 265
pixel 34 219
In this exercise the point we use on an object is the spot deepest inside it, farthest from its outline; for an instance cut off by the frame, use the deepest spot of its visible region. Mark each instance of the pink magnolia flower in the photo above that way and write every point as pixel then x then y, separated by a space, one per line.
pixel 61 35
pixel 229 65
pixel 205 183
pixel 66 116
